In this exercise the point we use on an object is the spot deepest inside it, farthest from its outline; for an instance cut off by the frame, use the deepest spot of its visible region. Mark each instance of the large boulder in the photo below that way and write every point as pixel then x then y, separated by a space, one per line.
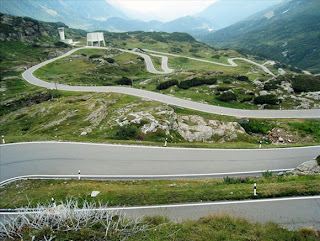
pixel 307 168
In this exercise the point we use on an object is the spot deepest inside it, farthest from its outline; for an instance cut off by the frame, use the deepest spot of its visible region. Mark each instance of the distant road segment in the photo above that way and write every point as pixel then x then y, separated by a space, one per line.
pixel 170 100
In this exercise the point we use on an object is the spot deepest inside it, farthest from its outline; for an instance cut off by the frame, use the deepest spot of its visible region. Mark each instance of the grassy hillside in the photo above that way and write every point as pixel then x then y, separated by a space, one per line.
pixel 288 33
pixel 31 113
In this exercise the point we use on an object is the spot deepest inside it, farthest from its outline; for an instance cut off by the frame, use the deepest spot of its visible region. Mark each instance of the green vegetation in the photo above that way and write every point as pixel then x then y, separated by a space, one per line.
pixel 257 126
pixel 266 99
pixel 167 84
pixel 95 67
pixel 218 227
pixel 307 128
pixel 305 83
pixel 124 81
pixel 227 97
pixel 186 84
pixel 149 192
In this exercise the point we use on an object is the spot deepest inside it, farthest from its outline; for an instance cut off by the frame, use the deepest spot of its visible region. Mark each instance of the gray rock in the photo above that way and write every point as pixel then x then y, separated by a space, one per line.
pixel 307 168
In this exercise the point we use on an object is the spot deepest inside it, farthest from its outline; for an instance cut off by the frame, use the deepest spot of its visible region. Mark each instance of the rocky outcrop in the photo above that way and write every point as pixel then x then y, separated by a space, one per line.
pixel 195 128
pixel 307 168
pixel 25 29
pixel 190 127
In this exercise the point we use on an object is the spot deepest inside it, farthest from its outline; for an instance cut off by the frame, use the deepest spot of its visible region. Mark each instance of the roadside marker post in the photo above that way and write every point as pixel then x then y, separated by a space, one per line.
pixel 3 141
pixel 53 202
pixel 260 144
pixel 165 142
pixel 255 190
pixel 79 175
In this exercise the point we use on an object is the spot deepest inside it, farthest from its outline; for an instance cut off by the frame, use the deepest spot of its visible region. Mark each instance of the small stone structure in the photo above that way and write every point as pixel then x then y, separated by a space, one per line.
pixel 62 37
pixel 95 38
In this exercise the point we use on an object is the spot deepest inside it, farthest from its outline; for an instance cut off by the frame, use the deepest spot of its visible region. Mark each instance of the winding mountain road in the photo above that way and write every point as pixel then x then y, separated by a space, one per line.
pixel 301 114
pixel 64 158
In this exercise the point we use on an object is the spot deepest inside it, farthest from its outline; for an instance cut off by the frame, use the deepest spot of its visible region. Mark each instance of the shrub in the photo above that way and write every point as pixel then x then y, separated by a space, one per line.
pixel 196 82
pixel 267 174
pixel 227 96
pixel 223 88
pixel 124 81
pixel 194 50
pixel 95 56
pixel 61 44
pixel 217 56
pixel 176 49
pixel 110 60
pixel 242 78
pixel 255 126
pixel 226 81
pixel 246 99
pixel 231 180
pixel 266 99
pixel 127 132
pixel 305 83
pixel 183 59
pixel 167 84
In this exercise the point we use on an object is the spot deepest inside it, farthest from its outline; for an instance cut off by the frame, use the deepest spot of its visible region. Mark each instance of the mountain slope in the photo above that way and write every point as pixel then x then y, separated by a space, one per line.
pixel 226 12
pixel 77 14
pixel 288 32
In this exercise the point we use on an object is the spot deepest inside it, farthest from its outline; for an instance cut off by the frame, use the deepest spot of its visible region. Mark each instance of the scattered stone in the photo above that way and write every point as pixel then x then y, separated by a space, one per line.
pixel 84 133
pixel 94 193
pixel 172 185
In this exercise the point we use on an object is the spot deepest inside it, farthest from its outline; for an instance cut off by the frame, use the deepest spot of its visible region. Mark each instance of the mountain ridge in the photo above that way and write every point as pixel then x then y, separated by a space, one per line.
pixel 288 32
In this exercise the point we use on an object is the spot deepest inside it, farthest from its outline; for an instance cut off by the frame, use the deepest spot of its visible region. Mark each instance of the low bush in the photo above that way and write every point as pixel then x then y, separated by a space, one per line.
pixel 305 83
pixel 61 44
pixel 110 60
pixel 127 132
pixel 266 99
pixel 223 88
pixel 124 81
pixel 246 99
pixel 186 84
pixel 242 78
pixel 95 56
pixel 255 126
pixel 167 84
pixel 231 180
pixel 227 96
pixel 217 56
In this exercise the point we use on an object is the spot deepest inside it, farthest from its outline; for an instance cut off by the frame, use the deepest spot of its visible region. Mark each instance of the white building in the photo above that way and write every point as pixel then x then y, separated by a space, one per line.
pixel 61 33
pixel 95 38
pixel 62 37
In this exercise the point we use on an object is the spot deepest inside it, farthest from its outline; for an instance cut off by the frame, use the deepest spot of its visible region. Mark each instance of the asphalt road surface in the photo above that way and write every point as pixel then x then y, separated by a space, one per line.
pixel 54 158
pixel 292 213
pixel 170 100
